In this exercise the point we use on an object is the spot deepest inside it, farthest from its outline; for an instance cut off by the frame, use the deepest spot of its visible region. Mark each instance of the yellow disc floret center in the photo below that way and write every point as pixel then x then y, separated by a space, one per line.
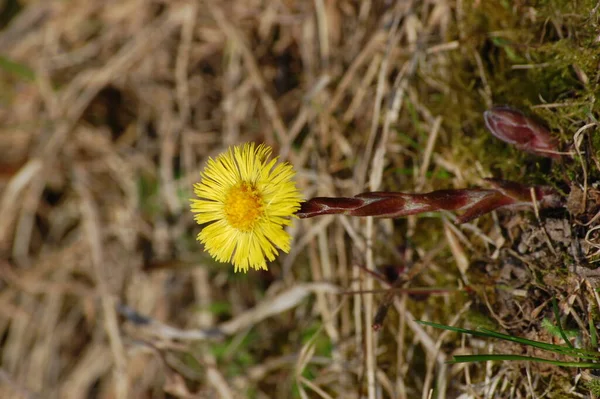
pixel 243 206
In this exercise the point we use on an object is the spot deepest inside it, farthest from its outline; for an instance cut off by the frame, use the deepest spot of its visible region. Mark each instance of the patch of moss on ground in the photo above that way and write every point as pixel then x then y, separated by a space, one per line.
pixel 529 57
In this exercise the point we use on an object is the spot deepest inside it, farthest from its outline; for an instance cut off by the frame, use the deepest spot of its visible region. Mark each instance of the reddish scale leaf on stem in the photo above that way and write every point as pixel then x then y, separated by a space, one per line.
pixel 546 197
pixel 513 127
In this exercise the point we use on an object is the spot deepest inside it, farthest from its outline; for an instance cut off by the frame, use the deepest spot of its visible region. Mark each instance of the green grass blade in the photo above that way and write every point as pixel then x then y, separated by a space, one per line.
pixel 558 324
pixel 502 357
pixel 529 342
pixel 455 329
pixel 16 68
pixel 559 349
pixel 593 333
pixel 485 333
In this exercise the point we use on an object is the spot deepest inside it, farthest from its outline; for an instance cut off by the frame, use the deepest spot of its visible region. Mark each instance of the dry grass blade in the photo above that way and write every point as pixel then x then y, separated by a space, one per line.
pixel 282 302
pixel 92 232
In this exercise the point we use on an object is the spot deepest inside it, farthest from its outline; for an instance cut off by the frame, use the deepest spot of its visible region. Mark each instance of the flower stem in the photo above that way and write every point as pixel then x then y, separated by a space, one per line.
pixel 474 202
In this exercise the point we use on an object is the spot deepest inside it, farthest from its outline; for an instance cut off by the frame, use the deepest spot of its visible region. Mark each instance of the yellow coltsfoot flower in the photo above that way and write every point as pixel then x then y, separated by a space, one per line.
pixel 246 199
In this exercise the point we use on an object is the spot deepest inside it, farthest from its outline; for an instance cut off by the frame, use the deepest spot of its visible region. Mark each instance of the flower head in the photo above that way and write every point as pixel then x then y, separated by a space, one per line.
pixel 246 199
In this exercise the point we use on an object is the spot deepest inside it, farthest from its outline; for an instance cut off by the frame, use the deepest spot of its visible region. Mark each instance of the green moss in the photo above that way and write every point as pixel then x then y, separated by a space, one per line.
pixel 237 360
pixel 530 56
pixel 555 331
pixel 480 320
pixel 148 195
pixel 317 337
pixel 594 386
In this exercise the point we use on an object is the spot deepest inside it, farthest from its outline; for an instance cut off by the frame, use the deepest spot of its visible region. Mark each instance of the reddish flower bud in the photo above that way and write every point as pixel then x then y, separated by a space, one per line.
pixel 513 127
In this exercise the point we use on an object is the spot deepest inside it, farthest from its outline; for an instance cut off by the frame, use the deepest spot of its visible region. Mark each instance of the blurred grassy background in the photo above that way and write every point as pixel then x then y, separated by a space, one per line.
pixel 110 109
